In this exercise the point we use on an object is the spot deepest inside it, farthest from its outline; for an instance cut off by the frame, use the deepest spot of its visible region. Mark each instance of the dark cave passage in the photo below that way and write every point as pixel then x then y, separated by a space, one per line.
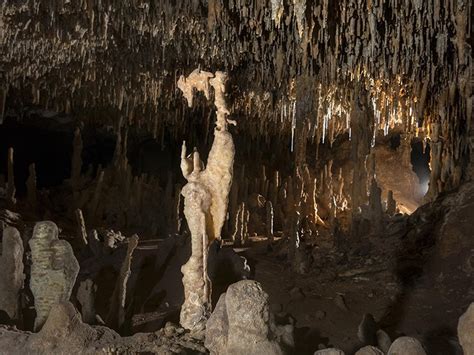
pixel 420 160
pixel 48 145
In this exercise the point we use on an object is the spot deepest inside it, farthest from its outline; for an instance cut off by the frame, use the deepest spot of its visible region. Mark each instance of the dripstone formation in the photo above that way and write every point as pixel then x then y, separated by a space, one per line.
pixel 53 271
pixel 138 217
pixel 206 196
pixel 11 275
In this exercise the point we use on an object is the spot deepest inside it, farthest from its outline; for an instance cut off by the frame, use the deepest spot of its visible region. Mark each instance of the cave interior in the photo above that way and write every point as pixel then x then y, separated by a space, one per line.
pixel 236 177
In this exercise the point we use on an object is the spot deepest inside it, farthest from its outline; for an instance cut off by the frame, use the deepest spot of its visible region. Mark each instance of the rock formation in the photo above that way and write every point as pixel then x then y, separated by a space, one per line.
pixel 53 271
pixel 31 186
pixel 406 346
pixel 241 234
pixel 116 316
pixel 206 197
pixel 353 163
pixel 330 351
pixel 466 330
pixel 11 189
pixel 369 350
pixel 86 298
pixel 242 323
pixel 11 275
pixel 65 333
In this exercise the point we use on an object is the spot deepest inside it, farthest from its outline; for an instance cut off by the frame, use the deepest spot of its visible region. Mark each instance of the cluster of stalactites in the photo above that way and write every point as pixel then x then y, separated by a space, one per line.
pixel 412 57
pixel 69 53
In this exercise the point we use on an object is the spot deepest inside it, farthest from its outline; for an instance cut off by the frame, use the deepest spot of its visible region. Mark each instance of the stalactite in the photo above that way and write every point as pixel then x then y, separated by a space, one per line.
pixel 405 70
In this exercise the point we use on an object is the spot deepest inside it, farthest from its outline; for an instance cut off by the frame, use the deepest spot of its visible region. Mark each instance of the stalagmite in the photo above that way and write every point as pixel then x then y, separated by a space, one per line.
pixel 97 195
pixel 241 235
pixel 361 141
pixel 31 186
pixel 11 275
pixel 269 221
pixel 86 297
pixel 53 271
pixel 206 198
pixel 81 227
pixel 11 189
pixel 76 162
pixel 391 204
pixel 3 99
pixel 116 316
pixel 375 205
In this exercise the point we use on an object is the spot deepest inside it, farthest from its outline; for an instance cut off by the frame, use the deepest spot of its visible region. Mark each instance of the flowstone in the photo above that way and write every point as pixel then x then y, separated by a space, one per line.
pixel 53 271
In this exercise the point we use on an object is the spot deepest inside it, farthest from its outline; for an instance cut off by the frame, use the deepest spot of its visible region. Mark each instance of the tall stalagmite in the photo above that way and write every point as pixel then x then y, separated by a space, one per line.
pixel 206 196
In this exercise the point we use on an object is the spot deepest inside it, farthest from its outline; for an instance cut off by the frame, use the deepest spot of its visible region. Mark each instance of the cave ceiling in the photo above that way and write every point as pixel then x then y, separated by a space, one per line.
pixel 288 61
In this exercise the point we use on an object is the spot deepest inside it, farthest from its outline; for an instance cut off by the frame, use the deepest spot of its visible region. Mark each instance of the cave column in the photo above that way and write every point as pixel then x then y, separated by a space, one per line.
pixel 303 110
pixel 436 147
pixel 362 126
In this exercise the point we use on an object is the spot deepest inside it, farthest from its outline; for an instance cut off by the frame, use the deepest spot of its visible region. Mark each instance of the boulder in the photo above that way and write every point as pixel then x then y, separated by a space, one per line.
pixel 65 333
pixel 406 346
pixel 367 330
pixel 466 330
pixel 383 341
pixel 11 275
pixel 329 351
pixel 369 350
pixel 243 324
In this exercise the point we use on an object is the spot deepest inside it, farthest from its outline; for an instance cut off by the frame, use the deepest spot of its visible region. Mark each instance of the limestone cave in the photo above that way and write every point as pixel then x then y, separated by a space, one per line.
pixel 236 177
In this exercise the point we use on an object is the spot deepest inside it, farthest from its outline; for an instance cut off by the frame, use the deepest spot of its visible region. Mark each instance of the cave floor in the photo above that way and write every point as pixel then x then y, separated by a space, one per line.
pixel 328 304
